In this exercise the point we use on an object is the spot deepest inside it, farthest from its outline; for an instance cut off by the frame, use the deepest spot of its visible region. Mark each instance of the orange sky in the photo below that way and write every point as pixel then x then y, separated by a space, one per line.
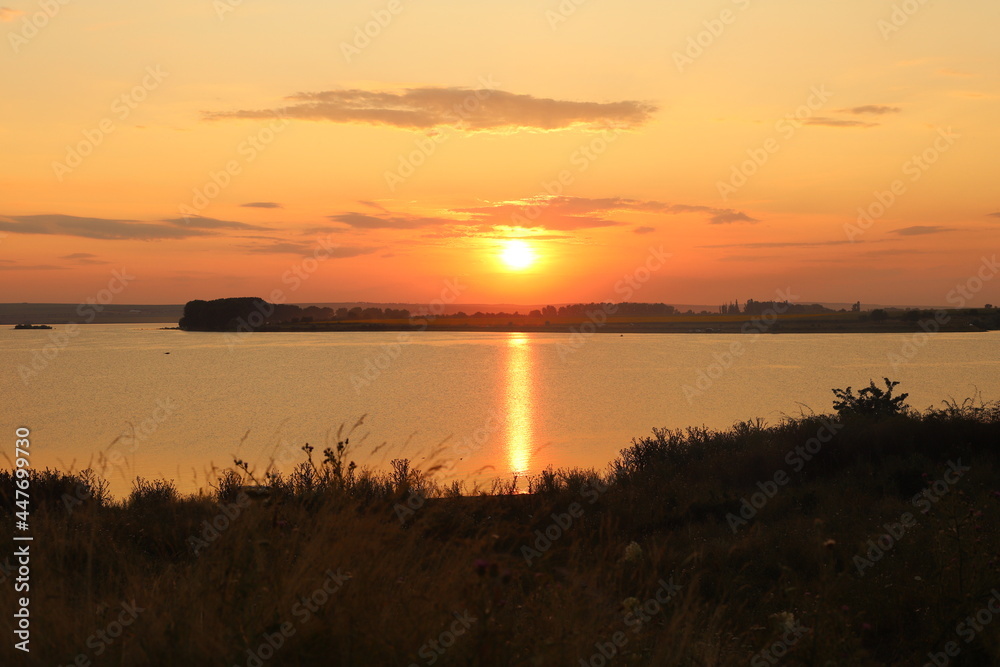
pixel 212 147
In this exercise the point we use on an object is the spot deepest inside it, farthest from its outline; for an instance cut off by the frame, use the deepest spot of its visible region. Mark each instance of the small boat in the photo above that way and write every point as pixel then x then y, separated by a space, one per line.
pixel 32 326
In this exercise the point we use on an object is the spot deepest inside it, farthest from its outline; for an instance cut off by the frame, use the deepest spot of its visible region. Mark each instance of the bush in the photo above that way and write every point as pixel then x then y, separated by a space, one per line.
pixel 871 402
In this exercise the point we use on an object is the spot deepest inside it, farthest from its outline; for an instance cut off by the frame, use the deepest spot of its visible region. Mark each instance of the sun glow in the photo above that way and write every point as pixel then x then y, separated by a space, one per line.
pixel 517 255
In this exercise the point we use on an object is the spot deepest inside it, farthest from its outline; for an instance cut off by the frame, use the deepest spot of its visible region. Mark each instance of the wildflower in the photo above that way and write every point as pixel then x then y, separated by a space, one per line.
pixel 631 604
pixel 633 553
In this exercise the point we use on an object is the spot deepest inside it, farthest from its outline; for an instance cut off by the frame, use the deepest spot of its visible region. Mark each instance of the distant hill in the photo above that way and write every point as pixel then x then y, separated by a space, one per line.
pixel 64 313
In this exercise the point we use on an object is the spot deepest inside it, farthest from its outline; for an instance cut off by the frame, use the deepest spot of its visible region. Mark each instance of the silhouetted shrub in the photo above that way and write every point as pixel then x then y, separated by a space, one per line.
pixel 870 402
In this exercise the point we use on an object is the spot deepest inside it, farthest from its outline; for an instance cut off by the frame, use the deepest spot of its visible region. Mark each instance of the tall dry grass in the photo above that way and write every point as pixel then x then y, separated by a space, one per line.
pixel 659 514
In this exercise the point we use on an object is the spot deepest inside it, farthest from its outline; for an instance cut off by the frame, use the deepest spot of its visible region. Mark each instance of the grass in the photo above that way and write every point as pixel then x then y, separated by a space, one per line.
pixel 261 563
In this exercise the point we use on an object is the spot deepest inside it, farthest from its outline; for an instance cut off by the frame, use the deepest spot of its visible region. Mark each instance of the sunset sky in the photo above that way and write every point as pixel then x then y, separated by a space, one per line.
pixel 208 147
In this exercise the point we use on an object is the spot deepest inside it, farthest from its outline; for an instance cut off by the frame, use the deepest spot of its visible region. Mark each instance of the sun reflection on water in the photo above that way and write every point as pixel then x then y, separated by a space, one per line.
pixel 520 415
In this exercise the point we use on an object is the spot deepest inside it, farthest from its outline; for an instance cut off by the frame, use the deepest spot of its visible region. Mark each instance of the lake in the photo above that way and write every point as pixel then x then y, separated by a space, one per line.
pixel 173 404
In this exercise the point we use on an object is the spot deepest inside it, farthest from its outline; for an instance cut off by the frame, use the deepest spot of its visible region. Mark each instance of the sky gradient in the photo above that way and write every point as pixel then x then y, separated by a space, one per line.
pixel 843 150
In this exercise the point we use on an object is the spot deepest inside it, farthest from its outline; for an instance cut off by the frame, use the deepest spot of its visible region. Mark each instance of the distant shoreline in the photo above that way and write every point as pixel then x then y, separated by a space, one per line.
pixel 719 325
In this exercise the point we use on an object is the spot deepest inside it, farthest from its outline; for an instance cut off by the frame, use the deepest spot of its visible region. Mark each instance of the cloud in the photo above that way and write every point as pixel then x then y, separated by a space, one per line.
pixel 553 213
pixel 837 122
pixel 542 213
pixel 84 258
pixel 749 258
pixel 890 252
pixel 32 267
pixel 785 244
pixel 303 248
pixel 920 230
pixel 373 204
pixel 7 14
pixel 570 213
pixel 474 110
pixel 491 233
pixel 362 221
pixel 994 215
pixel 262 204
pixel 728 217
pixel 95 228
pixel 212 223
pixel 876 109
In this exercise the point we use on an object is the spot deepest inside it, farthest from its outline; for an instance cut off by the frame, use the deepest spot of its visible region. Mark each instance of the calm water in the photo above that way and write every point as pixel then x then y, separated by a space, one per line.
pixel 516 402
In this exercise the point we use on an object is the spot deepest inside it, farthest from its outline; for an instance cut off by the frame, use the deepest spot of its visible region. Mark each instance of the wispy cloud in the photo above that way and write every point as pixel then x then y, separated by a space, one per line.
pixel 276 247
pixel 837 122
pixel 95 228
pixel 994 215
pixel 875 109
pixel 31 267
pixel 644 230
pixel 387 221
pixel 84 258
pixel 212 223
pixel 261 204
pixel 783 244
pixel 920 230
pixel 541 213
pixel 728 217
pixel 474 110
pixel 7 14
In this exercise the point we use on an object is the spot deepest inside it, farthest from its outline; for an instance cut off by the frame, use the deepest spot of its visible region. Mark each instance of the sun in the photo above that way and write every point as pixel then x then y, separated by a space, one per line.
pixel 517 255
